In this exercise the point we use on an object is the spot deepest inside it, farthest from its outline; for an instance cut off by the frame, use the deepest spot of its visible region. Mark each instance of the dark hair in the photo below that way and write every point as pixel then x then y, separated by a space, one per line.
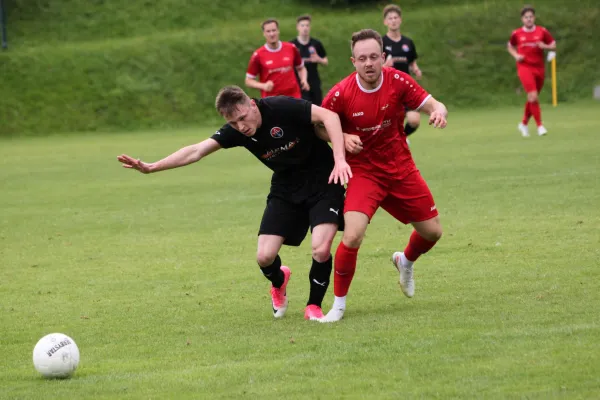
pixel 229 98
pixel 304 17
pixel 269 21
pixel 364 35
pixel 392 8
pixel 526 8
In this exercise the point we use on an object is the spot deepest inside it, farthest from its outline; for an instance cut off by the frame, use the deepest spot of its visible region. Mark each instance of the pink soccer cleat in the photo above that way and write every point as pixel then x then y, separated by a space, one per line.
pixel 313 312
pixel 279 296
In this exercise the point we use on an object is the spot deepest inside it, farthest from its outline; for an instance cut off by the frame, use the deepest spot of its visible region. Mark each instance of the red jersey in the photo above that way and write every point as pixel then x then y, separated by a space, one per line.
pixel 373 115
pixel 525 41
pixel 277 66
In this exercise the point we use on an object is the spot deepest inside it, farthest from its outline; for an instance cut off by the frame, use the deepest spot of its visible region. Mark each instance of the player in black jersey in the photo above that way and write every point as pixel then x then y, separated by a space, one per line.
pixel 307 187
pixel 401 54
pixel 313 53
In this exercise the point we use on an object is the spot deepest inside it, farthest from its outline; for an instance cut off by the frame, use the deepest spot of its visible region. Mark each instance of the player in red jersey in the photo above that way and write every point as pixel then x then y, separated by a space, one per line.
pixel 274 65
pixel 527 45
pixel 370 103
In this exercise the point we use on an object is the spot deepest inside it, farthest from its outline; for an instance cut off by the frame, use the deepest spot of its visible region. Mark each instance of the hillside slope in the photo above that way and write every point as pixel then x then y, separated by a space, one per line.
pixel 105 65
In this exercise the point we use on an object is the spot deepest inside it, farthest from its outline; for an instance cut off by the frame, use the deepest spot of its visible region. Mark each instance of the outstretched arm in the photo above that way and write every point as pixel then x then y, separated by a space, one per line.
pixel 437 112
pixel 185 156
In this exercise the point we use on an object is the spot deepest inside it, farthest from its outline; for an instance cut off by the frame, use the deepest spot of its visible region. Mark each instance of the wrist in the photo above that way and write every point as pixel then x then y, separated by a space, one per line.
pixel 152 167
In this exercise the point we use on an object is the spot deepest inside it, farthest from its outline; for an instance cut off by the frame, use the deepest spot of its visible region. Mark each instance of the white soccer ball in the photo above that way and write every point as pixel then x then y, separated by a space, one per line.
pixel 56 356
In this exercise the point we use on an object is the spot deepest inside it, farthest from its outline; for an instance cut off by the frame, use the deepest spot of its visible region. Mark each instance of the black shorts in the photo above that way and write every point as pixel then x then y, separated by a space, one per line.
pixel 292 218
pixel 314 95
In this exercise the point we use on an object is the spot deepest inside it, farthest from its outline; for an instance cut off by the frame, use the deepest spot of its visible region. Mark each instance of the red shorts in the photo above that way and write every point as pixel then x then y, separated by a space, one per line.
pixel 532 78
pixel 407 199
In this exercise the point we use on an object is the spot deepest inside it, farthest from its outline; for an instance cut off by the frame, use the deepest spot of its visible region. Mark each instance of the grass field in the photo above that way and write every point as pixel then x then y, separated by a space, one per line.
pixel 155 278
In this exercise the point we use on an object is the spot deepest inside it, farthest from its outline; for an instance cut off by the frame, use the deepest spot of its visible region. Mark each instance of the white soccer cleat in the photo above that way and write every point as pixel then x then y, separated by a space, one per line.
pixel 407 283
pixel 334 315
pixel 541 130
pixel 523 129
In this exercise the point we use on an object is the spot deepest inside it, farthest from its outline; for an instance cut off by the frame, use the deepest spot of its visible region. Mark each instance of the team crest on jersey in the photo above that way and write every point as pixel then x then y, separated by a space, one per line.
pixel 405 48
pixel 276 132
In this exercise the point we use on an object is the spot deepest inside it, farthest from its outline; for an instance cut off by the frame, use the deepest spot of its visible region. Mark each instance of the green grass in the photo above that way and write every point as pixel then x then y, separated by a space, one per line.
pixel 155 278
pixel 110 65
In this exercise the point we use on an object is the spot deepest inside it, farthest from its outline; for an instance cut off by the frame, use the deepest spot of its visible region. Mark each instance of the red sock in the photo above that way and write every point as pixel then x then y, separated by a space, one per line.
pixel 345 265
pixel 536 111
pixel 527 114
pixel 417 246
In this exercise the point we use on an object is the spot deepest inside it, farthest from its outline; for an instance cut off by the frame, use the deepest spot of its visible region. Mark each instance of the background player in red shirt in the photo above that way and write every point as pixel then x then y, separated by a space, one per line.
pixel 527 45
pixel 370 103
pixel 274 65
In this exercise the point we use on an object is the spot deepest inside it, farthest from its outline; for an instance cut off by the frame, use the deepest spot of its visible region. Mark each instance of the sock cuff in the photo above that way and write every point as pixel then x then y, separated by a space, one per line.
pixel 348 249
pixel 324 262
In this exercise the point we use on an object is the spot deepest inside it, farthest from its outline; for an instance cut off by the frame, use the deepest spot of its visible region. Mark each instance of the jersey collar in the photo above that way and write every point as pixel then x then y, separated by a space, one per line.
pixel 529 30
pixel 279 46
pixel 370 90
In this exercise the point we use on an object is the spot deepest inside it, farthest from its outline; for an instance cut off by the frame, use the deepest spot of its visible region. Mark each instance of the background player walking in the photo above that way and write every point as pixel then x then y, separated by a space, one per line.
pixel 527 45
pixel 313 54
pixel 401 53
pixel 274 63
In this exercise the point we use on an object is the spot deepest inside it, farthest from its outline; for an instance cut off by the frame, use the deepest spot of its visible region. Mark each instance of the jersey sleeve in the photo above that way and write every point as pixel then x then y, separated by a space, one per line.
pixel 412 94
pixel 547 37
pixel 513 41
pixel 227 137
pixel 291 109
pixel 321 50
pixel 298 62
pixel 414 51
pixel 253 66
pixel 333 100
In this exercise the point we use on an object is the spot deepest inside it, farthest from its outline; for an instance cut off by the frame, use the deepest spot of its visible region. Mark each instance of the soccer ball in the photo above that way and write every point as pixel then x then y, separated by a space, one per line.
pixel 56 356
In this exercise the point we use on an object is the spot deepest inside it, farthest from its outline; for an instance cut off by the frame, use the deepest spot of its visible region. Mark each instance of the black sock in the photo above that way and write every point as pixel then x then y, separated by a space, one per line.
pixel 409 129
pixel 274 273
pixel 319 281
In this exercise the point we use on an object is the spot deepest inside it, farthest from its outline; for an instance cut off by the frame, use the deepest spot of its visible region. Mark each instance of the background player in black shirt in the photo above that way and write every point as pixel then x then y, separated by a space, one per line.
pixel 401 54
pixel 307 187
pixel 313 53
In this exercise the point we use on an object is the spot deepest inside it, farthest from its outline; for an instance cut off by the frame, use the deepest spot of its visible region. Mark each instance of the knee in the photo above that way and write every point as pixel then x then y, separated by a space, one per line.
pixel 264 257
pixel 433 235
pixel 353 239
pixel 532 97
pixel 321 252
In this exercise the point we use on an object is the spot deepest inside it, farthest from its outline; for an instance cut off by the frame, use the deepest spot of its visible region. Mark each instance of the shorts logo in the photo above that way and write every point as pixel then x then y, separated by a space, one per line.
pixel 396 76
pixel 337 94
pixel 217 133
pixel 388 48
pixel 433 208
pixel 276 132
pixel 405 48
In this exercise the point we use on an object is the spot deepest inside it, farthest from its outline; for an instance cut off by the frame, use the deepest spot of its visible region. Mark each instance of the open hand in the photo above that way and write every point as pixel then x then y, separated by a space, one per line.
pixel 341 172
pixel 129 162
pixel 438 119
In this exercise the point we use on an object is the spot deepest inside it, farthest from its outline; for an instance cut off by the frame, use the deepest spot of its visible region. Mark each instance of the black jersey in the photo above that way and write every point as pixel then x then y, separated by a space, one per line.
pixel 286 143
pixel 313 46
pixel 403 52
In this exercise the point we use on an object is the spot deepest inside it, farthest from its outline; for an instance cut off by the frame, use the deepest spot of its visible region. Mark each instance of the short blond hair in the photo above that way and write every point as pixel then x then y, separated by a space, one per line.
pixel 392 8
